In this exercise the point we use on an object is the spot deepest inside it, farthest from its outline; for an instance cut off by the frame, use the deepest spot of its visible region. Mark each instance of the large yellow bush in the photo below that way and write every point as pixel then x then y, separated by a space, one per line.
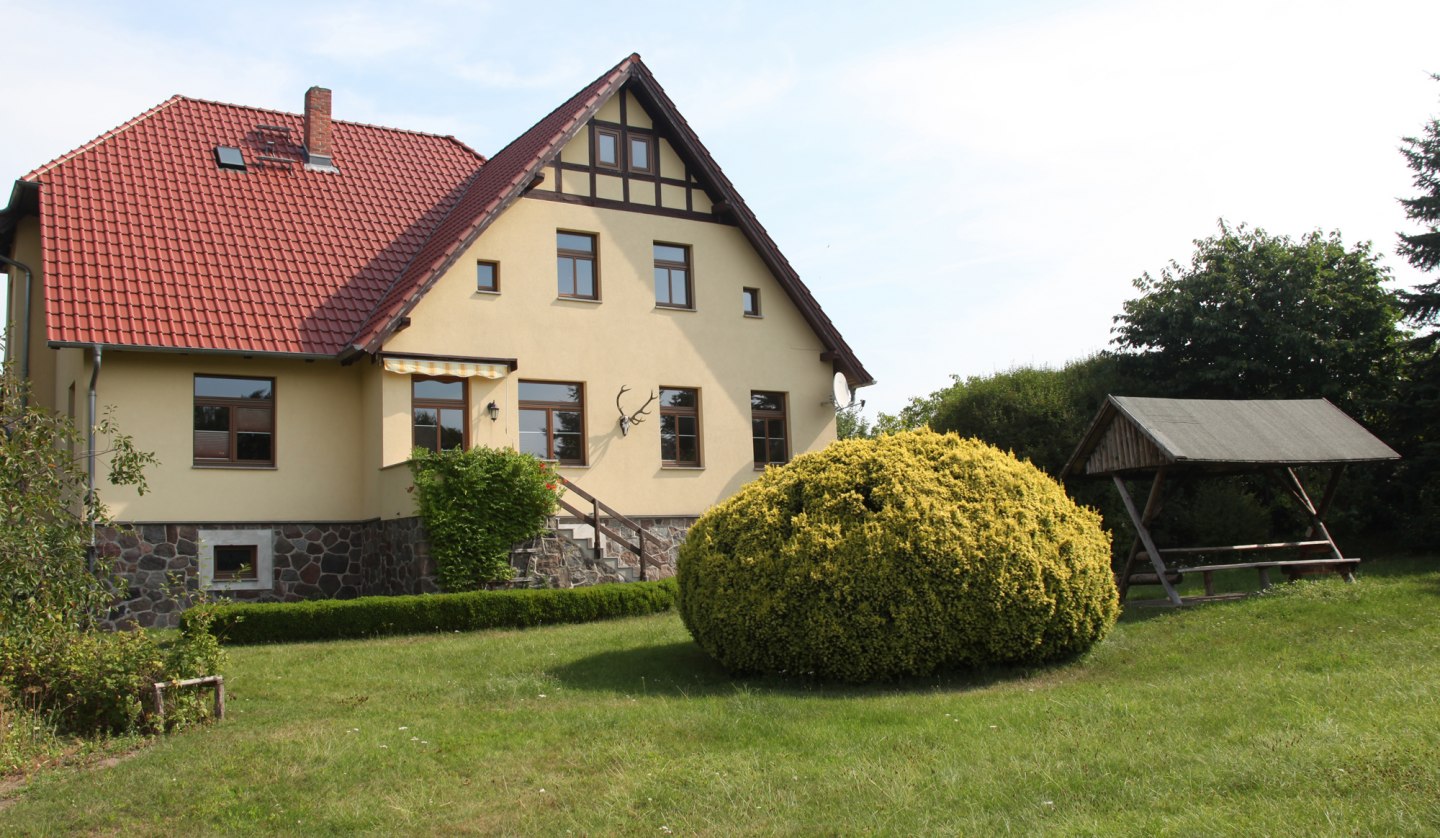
pixel 904 555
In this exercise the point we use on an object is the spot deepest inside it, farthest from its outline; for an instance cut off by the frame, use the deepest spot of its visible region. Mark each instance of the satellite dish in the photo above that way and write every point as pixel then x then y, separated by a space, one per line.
pixel 841 396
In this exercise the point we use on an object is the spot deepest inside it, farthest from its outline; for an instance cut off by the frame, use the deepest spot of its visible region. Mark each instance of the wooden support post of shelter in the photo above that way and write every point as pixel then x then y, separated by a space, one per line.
pixel 1138 437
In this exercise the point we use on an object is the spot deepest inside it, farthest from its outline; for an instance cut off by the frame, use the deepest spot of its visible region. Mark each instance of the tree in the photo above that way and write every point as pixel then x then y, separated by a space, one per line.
pixel 1422 155
pixel 1261 316
pixel 1038 414
pixel 849 424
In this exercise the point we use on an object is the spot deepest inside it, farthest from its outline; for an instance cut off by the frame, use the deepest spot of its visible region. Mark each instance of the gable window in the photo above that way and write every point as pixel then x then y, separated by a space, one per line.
pixel 607 148
pixel 767 420
pixel 437 410
pixel 575 260
pixel 672 276
pixel 751 297
pixel 234 421
pixel 679 426
pixel 487 276
pixel 642 154
pixel 552 420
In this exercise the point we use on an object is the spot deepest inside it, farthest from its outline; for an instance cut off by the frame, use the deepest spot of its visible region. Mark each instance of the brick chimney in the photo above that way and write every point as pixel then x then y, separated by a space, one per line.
pixel 318 155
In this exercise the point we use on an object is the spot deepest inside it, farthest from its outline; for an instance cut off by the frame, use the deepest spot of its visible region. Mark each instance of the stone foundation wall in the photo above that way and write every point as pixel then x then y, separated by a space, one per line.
pixel 159 564
pixel 554 562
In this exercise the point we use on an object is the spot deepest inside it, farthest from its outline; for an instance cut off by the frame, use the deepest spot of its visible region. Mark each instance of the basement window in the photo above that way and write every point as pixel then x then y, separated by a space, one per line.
pixel 229 157
pixel 236 560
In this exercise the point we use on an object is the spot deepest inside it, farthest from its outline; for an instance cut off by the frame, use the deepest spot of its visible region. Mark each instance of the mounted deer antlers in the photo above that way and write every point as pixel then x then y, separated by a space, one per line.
pixel 634 418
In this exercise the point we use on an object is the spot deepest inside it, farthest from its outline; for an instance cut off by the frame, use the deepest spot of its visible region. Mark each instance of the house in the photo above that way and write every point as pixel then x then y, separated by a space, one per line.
pixel 280 306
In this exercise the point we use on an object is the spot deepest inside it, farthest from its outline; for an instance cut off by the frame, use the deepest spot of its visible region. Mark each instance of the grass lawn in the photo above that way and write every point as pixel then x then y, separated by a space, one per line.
pixel 1314 709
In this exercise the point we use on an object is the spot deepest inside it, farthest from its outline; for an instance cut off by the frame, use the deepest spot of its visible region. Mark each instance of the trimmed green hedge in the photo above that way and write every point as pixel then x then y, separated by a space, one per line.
pixel 334 619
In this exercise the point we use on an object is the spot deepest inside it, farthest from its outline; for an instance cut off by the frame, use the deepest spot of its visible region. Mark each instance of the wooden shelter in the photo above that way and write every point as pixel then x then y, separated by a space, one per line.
pixel 1139 437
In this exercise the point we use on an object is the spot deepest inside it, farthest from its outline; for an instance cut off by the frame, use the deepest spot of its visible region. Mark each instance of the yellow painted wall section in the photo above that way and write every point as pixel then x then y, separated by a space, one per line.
pixel 636 116
pixel 610 111
pixel 319 473
pixel 44 380
pixel 626 340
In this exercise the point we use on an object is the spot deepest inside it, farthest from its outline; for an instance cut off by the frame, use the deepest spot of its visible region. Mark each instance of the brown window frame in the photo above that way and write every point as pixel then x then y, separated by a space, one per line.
pixel 595 147
pixel 676 413
pixel 649 142
pixel 550 408
pixel 494 276
pixel 253 563
pixel 769 417
pixel 669 266
pixel 748 294
pixel 463 403
pixel 593 257
pixel 232 460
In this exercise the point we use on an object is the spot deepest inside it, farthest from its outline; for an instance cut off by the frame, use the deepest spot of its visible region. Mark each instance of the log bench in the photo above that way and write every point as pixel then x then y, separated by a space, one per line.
pixel 1293 569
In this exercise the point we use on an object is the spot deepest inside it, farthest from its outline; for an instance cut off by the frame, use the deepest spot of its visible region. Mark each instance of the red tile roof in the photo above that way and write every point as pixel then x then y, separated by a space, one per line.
pixel 147 242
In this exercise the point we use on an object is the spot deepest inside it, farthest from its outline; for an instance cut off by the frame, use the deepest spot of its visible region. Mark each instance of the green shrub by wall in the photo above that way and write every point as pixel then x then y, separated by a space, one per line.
pixel 903 555
pixel 331 619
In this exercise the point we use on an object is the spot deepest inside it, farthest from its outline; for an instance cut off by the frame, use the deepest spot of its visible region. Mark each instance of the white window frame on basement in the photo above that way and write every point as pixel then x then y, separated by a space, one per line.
pixel 264 543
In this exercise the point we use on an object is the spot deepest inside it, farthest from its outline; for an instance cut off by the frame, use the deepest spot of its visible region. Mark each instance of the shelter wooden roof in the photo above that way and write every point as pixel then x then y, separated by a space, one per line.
pixel 1137 434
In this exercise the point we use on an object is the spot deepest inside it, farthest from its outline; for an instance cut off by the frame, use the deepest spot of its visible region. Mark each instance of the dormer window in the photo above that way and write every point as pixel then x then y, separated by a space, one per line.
pixel 229 157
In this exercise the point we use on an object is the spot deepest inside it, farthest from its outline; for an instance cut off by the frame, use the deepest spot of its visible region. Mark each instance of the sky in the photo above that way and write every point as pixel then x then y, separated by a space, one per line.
pixel 966 187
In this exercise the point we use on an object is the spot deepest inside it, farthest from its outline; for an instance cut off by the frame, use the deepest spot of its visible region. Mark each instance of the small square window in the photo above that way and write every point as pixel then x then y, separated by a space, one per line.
pixel 235 561
pixel 487 276
pixel 752 301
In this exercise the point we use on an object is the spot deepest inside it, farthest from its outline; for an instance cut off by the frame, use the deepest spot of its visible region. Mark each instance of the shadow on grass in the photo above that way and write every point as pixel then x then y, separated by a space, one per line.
pixel 683 669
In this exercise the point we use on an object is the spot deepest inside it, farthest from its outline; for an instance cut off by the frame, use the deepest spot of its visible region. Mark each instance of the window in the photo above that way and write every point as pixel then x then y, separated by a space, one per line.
pixel 437 409
pixel 752 301
pixel 234 421
pixel 576 262
pixel 237 559
pixel 487 276
pixel 552 420
pixel 607 148
pixel 679 426
pixel 642 157
pixel 672 276
pixel 767 418
pixel 229 157
pixel 234 561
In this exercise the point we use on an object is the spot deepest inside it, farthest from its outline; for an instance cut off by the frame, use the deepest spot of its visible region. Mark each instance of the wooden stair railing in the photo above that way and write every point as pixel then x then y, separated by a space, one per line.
pixel 593 519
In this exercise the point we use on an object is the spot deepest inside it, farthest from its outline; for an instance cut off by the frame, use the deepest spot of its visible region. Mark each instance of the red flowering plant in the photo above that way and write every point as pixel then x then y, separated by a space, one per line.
pixel 477 504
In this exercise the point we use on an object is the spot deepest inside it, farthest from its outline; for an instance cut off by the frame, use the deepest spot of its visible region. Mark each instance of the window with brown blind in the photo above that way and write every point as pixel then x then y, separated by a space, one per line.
pixel 234 421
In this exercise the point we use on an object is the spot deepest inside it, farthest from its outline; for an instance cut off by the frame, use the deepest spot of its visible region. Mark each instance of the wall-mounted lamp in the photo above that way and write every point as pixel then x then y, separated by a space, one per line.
pixel 494 410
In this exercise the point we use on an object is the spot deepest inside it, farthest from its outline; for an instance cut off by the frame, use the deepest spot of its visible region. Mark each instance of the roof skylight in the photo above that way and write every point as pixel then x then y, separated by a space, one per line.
pixel 229 157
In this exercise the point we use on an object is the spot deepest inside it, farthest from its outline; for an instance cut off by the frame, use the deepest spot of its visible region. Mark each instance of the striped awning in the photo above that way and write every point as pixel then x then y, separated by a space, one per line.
pixel 458 369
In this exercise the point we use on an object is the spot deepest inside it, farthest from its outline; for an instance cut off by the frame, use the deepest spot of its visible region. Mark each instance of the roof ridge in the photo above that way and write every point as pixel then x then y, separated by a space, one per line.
pixel 84 147
pixel 352 122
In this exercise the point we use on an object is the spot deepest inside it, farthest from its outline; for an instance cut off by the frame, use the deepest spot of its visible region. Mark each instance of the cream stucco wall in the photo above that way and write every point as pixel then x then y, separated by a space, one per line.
pixel 625 340
pixel 320 435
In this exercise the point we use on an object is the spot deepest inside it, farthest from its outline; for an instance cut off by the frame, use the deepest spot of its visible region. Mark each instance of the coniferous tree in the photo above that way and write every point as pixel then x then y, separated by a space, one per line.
pixel 1422 249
